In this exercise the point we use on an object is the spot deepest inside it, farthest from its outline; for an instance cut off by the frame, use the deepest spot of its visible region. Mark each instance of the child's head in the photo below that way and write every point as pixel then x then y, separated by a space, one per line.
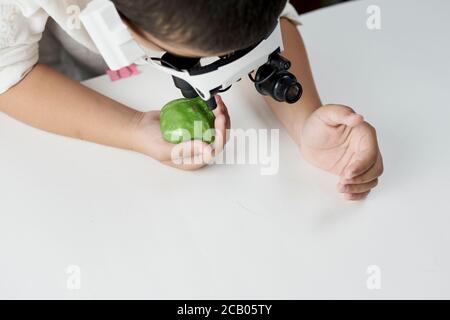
pixel 200 27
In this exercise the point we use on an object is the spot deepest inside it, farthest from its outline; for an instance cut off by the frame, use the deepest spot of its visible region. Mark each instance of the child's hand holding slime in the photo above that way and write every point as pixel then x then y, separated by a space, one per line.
pixel 187 119
pixel 187 155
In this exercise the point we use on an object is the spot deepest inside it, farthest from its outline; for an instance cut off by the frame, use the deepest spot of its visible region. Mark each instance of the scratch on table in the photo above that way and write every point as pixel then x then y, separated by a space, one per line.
pixel 250 210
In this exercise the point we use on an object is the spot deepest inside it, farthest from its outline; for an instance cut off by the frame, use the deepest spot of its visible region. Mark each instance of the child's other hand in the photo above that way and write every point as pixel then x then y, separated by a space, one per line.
pixel 336 139
pixel 190 155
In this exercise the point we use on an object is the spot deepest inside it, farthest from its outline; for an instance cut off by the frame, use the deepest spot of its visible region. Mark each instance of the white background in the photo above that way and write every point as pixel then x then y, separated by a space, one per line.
pixel 138 229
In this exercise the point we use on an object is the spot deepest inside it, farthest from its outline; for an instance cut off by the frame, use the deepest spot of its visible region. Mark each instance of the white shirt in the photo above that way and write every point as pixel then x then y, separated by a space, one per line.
pixel 22 24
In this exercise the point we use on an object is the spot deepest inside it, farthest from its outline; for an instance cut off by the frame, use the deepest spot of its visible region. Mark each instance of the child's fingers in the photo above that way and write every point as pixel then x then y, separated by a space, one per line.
pixel 366 160
pixel 195 148
pixel 192 166
pixel 220 106
pixel 373 173
pixel 356 196
pixel 336 115
pixel 221 124
pixel 357 188
pixel 187 164
pixel 220 137
pixel 366 154
pixel 189 149
pixel 191 155
pixel 222 109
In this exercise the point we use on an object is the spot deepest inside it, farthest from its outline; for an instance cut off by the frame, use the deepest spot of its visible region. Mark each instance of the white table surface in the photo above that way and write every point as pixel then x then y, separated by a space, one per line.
pixel 138 229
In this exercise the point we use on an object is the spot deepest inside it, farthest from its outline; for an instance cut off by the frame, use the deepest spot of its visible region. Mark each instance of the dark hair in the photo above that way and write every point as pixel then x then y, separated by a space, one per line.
pixel 209 25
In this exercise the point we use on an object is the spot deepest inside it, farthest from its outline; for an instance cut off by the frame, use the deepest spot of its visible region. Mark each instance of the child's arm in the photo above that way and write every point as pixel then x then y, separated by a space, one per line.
pixel 48 100
pixel 332 137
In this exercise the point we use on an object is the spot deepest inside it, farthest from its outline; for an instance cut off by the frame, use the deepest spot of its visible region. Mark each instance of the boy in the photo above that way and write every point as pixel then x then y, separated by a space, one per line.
pixel 331 137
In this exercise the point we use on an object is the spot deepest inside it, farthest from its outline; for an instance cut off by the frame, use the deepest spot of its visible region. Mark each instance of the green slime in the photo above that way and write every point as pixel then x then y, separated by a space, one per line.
pixel 187 119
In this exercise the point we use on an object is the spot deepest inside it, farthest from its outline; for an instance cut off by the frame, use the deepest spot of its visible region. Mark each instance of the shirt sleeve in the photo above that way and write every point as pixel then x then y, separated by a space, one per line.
pixel 21 27
pixel 291 13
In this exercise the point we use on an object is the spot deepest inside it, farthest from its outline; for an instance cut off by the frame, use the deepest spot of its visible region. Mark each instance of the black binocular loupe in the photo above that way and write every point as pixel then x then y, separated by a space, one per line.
pixel 184 63
pixel 273 79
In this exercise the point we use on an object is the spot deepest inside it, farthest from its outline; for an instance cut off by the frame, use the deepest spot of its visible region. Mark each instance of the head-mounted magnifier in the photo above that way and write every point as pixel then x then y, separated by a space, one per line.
pixel 195 76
